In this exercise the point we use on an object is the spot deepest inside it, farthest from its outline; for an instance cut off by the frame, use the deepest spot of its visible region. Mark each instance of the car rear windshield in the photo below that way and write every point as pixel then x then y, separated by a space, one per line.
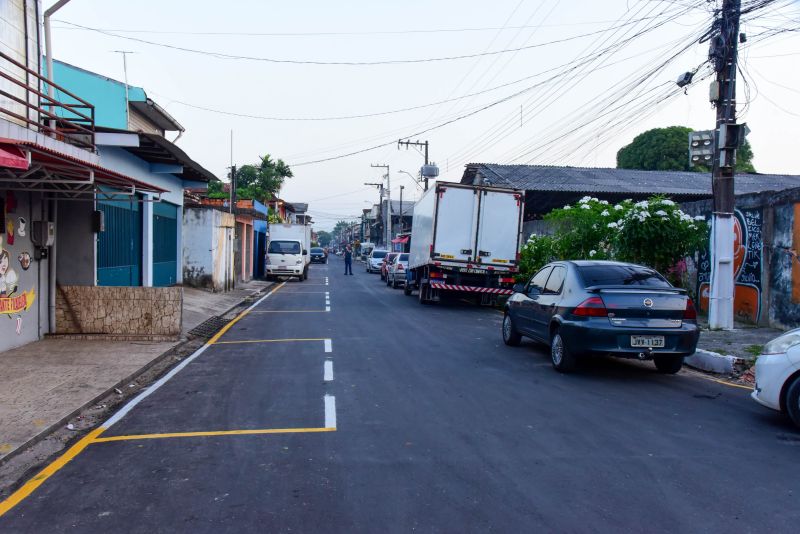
pixel 378 253
pixel 403 257
pixel 621 275
pixel 317 250
pixel 284 247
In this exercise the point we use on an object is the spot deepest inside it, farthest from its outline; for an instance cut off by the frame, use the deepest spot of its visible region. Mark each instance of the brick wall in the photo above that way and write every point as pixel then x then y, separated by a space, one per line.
pixel 119 311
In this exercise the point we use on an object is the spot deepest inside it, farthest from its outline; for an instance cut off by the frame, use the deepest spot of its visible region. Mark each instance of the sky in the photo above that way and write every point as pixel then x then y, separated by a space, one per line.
pixel 550 82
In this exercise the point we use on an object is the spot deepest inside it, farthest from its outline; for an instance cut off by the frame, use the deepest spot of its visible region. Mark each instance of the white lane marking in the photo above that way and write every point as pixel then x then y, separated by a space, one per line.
pixel 327 308
pixel 328 345
pixel 328 371
pixel 330 411
pixel 163 380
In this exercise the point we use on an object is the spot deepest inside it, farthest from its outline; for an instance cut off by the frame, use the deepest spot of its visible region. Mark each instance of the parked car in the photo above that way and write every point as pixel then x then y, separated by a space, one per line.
pixel 583 308
pixel 778 375
pixel 387 260
pixel 318 255
pixel 397 271
pixel 375 259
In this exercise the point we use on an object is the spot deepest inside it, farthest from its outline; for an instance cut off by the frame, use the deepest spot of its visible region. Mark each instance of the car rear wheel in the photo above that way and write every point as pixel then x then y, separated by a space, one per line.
pixel 668 364
pixel 564 361
pixel 510 335
pixel 407 289
pixel 793 401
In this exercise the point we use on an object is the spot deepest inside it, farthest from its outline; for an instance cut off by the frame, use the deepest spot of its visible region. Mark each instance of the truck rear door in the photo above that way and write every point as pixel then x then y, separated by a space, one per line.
pixel 457 214
pixel 498 229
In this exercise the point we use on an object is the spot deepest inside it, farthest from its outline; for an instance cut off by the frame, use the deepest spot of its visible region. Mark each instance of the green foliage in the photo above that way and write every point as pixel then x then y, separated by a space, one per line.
pixel 667 149
pixel 215 190
pixel 272 216
pixel 658 234
pixel 537 252
pixel 652 232
pixel 324 238
pixel 263 180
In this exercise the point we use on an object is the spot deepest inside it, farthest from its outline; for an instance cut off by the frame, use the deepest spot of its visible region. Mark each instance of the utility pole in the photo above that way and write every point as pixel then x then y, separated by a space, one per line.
pixel 727 136
pixel 401 208
pixel 388 216
pixel 125 71
pixel 417 143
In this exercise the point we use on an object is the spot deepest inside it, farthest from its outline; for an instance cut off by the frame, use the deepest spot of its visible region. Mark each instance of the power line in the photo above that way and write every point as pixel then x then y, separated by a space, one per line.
pixel 226 56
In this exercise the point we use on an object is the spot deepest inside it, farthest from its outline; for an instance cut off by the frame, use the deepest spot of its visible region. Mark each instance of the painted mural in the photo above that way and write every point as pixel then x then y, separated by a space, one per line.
pixel 17 295
pixel 748 247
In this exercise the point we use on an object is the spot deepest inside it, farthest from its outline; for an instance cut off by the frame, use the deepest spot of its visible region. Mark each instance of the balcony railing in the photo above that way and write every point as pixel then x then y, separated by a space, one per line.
pixel 71 122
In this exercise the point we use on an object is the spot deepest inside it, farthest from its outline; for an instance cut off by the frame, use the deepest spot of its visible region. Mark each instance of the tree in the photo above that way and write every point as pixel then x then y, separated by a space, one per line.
pixel 263 180
pixel 324 238
pixel 667 149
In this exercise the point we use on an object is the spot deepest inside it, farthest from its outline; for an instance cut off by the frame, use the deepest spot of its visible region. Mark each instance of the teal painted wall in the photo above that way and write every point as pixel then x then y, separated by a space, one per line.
pixel 107 95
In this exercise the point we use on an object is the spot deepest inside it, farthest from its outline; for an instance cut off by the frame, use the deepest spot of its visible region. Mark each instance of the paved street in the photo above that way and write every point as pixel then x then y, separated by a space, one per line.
pixel 340 405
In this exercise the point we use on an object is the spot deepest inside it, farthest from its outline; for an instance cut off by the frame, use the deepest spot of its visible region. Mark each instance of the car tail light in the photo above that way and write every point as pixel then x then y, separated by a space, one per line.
pixel 690 313
pixel 591 307
pixel 506 280
pixel 399 266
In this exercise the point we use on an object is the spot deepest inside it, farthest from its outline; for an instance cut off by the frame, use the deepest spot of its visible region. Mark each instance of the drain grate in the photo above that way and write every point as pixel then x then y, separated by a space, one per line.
pixel 209 327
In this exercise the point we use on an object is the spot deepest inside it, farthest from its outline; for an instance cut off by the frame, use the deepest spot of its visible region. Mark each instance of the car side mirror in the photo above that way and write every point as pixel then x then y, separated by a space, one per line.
pixel 518 288
pixel 534 291
pixel 305 252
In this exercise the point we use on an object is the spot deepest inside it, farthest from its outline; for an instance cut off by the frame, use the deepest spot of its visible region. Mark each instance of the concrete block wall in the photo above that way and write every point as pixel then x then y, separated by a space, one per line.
pixel 119 311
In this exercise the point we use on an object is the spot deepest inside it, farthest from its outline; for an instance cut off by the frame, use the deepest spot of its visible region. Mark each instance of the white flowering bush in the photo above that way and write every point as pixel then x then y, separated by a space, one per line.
pixel 583 230
pixel 653 232
pixel 657 233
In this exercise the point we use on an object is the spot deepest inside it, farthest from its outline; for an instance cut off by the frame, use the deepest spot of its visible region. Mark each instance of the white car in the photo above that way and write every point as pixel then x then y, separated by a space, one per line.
pixel 778 375
pixel 375 259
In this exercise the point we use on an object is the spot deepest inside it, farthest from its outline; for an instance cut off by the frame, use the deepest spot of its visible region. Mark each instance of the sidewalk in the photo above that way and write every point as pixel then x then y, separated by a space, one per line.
pixel 45 383
pixel 730 351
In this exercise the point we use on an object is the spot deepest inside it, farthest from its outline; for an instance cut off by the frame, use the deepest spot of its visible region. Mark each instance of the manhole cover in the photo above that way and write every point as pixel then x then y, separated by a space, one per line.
pixel 209 327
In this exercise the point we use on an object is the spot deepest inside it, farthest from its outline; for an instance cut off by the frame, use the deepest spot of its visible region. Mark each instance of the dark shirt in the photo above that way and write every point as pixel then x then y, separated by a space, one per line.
pixel 348 256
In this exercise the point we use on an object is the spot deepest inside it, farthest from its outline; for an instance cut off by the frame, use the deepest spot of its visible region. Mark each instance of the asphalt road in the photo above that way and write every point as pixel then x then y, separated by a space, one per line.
pixel 427 423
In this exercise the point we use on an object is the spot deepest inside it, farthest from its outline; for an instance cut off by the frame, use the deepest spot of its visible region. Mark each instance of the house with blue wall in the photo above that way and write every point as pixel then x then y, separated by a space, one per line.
pixel 136 237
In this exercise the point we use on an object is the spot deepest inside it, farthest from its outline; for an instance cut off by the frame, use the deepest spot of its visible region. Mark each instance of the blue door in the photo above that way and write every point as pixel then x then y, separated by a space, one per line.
pixel 165 244
pixel 119 247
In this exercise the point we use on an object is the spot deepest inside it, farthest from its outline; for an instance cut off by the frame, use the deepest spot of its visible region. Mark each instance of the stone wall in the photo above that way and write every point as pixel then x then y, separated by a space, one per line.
pixel 119 311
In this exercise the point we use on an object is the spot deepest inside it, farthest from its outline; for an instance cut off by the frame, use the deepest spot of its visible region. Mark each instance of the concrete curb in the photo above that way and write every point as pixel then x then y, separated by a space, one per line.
pixel 714 362
pixel 175 349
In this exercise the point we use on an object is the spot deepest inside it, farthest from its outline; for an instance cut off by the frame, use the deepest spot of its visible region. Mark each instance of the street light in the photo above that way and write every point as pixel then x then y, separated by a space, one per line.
pixel 413 178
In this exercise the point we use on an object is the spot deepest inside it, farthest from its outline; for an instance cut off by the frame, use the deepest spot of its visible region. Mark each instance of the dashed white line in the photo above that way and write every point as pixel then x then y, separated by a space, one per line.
pixel 328 345
pixel 327 308
pixel 330 411
pixel 328 371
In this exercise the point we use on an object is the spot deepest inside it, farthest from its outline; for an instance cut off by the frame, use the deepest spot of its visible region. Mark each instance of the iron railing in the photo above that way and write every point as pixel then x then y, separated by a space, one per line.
pixel 71 122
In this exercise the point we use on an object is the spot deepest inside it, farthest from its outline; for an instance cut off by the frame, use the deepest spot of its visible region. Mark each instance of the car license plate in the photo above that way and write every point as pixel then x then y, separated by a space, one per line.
pixel 647 341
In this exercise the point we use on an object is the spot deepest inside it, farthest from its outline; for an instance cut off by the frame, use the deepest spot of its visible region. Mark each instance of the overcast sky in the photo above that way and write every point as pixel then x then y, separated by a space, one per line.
pixel 581 81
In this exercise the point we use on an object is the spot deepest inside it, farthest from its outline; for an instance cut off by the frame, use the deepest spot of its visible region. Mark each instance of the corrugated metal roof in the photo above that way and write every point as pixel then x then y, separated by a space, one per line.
pixel 620 181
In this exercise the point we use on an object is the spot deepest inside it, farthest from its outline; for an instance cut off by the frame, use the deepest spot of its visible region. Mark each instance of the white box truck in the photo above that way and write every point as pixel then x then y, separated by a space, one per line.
pixel 288 251
pixel 465 238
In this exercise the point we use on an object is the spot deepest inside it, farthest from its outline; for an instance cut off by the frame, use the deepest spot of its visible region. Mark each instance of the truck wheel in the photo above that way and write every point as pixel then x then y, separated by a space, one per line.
pixel 564 361
pixel 510 335
pixel 668 364
pixel 300 278
pixel 792 401
pixel 407 289
pixel 423 294
pixel 305 274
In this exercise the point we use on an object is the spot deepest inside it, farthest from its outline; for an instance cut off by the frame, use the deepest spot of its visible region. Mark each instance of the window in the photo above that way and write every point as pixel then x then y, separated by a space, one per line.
pixel 378 254
pixel 538 280
pixel 403 257
pixel 317 250
pixel 284 247
pixel 556 281
pixel 621 275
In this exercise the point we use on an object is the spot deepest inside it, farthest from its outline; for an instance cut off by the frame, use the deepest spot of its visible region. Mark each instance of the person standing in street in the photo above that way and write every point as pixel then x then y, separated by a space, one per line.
pixel 348 261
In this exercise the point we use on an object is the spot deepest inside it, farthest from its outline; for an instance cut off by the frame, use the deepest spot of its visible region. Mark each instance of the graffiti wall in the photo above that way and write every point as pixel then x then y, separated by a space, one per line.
pixel 20 270
pixel 748 247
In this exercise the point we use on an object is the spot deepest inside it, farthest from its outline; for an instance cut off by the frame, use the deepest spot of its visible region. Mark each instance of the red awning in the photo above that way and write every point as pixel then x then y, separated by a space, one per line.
pixel 13 157
pixel 402 240
pixel 68 166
